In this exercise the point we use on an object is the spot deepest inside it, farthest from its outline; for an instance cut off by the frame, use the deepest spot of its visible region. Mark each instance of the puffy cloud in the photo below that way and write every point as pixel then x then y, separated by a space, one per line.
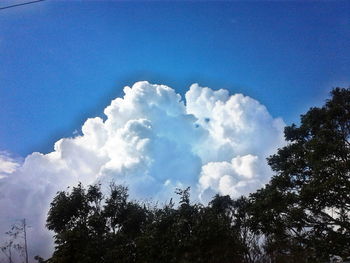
pixel 152 141
pixel 242 175
pixel 237 124
pixel 7 164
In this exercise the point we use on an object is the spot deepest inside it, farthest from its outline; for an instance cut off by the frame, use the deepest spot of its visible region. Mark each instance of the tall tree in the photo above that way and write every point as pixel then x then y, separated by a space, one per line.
pixel 306 205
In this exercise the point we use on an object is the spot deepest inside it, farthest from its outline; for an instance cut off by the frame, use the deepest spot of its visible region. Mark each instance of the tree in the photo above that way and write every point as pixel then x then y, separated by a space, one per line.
pixel 16 241
pixel 127 231
pixel 76 218
pixel 305 208
pixel 252 241
pixel 7 249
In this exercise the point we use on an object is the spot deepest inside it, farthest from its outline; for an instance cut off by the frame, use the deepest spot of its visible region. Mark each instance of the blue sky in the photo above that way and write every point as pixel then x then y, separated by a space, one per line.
pixel 63 61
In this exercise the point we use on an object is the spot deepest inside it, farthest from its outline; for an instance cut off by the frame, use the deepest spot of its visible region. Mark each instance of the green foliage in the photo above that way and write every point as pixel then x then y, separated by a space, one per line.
pixel 126 231
pixel 304 210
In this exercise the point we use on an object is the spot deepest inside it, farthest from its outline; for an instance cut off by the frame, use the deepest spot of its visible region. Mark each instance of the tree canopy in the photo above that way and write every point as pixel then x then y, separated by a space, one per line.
pixel 91 228
pixel 307 203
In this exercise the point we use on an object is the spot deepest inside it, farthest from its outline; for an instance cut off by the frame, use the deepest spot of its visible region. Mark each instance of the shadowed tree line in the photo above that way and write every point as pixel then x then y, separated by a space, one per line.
pixel 301 215
pixel 90 229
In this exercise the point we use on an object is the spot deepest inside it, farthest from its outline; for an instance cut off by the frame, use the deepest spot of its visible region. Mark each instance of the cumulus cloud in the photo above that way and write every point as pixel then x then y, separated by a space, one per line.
pixel 152 141
pixel 7 164
pixel 243 174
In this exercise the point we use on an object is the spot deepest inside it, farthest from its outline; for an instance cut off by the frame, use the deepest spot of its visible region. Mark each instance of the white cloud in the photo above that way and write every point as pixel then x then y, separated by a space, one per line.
pixel 7 164
pixel 151 141
pixel 242 175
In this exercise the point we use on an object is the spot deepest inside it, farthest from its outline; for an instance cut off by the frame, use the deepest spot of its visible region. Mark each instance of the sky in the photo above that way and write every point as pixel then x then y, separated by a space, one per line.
pixel 63 61
pixel 156 95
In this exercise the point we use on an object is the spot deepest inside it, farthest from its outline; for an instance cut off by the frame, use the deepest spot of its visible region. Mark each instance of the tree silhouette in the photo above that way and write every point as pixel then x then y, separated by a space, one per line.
pixel 305 208
pixel 127 231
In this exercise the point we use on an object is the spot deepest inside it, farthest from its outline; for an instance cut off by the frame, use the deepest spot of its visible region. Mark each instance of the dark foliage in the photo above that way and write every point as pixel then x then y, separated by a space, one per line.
pixel 304 210
pixel 91 228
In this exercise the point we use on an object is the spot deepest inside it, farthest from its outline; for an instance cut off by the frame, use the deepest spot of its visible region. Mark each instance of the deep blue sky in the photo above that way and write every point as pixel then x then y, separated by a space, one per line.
pixel 61 62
